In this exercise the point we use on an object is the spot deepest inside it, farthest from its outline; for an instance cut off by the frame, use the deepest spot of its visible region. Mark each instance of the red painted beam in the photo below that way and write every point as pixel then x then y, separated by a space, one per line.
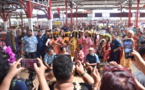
pixel 29 9
pixel 22 2
pixel 49 10
pixel 76 15
pixel 66 5
pixel 21 16
pixel 137 12
pixel 107 24
pixel 71 10
pixel 5 15
pixel 39 5
pixel 129 16
pixel 20 6
pixel 43 11
pixel 120 12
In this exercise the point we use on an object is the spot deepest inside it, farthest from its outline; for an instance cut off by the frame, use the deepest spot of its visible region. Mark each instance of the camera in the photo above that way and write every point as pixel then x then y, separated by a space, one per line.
pixel 29 81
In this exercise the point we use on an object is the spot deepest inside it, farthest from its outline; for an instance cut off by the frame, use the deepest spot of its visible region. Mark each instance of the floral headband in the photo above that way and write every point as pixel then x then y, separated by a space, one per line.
pixel 10 53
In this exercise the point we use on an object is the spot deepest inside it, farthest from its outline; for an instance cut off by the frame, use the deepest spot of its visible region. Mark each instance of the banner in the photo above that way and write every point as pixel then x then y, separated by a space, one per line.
pixel 57 23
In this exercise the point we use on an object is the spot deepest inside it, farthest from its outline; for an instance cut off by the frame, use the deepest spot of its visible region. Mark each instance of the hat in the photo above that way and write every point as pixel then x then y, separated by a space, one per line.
pixel 55 33
pixel 89 32
pixel 75 31
pixel 91 49
pixel 107 35
pixel 95 32
pixel 67 32
pixel 81 31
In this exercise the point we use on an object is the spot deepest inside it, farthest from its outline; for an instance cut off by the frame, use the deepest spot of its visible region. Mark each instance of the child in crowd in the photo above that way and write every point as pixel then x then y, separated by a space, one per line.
pixel 79 54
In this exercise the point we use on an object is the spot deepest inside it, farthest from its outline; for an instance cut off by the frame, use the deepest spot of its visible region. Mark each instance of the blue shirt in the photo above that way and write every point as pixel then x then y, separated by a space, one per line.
pixel 20 85
pixel 140 39
pixel 41 43
pixel 30 44
pixel 65 29
pixel 49 59
pixel 134 30
pixel 92 59
pixel 115 44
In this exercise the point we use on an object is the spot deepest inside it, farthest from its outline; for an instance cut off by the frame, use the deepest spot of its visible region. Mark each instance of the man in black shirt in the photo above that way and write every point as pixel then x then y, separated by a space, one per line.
pixel 63 69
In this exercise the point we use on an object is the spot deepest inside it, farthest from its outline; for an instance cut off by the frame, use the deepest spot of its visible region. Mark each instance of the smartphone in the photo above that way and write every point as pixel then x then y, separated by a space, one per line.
pixel 128 48
pixel 28 63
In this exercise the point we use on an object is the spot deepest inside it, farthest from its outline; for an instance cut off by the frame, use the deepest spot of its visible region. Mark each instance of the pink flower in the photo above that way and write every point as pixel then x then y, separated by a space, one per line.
pixel 9 51
pixel 4 48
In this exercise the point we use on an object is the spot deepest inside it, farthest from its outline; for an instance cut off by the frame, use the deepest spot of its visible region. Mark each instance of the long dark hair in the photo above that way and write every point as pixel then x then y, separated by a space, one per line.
pixel 48 37
pixel 60 34
pixel 95 39
pixel 4 66
pixel 79 34
pixel 108 41
pixel 74 33
pixel 55 37
pixel 66 35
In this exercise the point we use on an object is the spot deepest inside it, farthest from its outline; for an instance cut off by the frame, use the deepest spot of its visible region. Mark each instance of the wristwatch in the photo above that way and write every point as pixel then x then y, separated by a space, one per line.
pixel 94 88
pixel 83 74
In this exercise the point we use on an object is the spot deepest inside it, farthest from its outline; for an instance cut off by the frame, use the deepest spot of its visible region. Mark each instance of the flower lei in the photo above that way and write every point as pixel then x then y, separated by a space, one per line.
pixel 10 53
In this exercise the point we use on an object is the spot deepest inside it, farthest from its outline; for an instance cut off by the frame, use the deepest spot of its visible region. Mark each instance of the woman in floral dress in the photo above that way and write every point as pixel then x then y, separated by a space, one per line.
pixel 87 42
pixel 107 48
pixel 56 42
pixel 73 43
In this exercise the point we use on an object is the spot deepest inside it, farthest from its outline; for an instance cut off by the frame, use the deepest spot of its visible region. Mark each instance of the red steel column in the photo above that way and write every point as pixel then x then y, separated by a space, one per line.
pixel 63 9
pixel 121 13
pixel 137 12
pixel 66 5
pixel 76 15
pixel 50 14
pixel 107 23
pixel 129 16
pixel 21 17
pixel 71 10
pixel 50 10
pixel 29 9
pixel 29 14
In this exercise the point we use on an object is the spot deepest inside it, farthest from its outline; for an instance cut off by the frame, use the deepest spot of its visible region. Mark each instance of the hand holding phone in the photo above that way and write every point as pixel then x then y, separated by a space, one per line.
pixel 128 48
pixel 28 63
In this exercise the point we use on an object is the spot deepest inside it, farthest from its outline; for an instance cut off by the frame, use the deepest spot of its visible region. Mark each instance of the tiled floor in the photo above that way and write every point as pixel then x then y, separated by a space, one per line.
pixel 134 68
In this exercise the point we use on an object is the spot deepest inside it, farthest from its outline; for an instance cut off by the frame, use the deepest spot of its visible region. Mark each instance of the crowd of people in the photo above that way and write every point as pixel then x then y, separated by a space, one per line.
pixel 63 54
pixel 79 44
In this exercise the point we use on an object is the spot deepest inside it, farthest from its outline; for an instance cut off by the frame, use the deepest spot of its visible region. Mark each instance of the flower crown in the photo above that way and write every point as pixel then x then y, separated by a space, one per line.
pixel 10 53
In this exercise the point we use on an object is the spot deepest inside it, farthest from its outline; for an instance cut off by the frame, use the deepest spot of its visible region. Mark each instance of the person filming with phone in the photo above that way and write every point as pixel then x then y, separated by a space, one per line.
pixel 129 45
